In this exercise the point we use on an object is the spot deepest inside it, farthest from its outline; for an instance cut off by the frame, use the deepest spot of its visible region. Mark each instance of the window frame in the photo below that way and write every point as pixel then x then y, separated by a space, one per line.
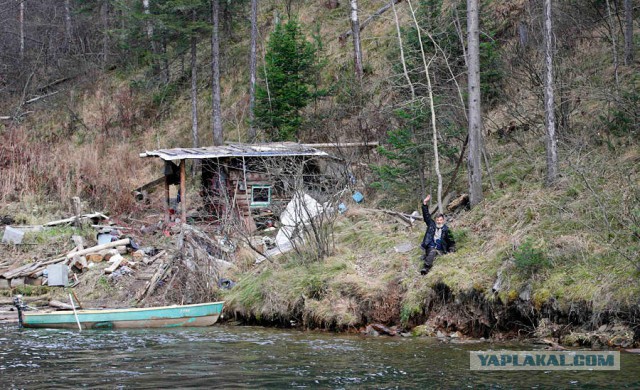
pixel 260 204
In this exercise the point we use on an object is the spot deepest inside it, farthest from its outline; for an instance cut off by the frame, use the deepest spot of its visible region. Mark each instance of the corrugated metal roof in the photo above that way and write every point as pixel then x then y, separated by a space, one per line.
pixel 236 150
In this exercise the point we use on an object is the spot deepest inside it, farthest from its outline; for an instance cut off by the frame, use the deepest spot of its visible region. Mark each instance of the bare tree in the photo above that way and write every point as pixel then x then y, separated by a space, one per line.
pixel 252 69
pixel 405 71
pixel 21 21
pixel 613 32
pixel 68 22
pixel 149 27
pixel 194 88
pixel 475 114
pixel 549 103
pixel 628 32
pixel 216 112
pixel 431 105
pixel 104 15
pixel 355 31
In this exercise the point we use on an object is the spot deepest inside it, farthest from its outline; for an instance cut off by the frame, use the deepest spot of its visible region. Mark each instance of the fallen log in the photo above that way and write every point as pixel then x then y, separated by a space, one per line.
pixel 60 305
pixel 35 99
pixel 403 216
pixel 97 248
pixel 458 202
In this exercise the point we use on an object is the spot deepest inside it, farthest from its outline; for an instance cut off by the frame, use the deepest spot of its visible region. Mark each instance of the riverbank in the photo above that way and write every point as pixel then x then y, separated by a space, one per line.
pixel 531 262
pixel 534 262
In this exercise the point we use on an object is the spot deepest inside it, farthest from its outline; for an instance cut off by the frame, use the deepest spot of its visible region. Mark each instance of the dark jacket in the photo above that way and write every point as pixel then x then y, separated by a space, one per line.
pixel 448 244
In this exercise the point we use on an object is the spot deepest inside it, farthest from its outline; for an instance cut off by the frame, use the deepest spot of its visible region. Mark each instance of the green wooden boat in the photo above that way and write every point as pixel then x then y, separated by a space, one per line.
pixel 203 314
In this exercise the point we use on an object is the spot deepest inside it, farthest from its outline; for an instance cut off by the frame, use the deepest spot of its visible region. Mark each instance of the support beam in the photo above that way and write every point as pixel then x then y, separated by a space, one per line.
pixel 183 190
pixel 167 198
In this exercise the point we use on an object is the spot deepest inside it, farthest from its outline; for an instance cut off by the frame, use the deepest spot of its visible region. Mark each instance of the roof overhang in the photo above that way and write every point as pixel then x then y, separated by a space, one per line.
pixel 274 149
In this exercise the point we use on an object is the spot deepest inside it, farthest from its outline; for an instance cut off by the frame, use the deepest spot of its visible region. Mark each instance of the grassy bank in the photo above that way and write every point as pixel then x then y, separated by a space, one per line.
pixel 526 254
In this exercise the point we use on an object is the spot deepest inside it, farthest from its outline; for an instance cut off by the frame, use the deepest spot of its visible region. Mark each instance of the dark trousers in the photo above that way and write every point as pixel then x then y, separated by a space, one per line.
pixel 428 257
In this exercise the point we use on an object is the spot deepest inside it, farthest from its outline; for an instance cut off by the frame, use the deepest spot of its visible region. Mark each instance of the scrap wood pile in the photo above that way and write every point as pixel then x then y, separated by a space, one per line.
pixel 195 271
pixel 112 247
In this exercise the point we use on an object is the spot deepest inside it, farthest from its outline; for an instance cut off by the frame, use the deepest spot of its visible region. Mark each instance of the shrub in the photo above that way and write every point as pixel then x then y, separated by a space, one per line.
pixel 529 258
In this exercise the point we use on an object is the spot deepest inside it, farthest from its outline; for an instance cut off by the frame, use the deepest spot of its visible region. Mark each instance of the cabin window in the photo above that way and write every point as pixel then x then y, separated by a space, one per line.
pixel 260 196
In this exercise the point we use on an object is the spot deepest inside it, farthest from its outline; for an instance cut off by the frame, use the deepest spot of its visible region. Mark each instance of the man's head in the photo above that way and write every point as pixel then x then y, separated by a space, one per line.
pixel 440 220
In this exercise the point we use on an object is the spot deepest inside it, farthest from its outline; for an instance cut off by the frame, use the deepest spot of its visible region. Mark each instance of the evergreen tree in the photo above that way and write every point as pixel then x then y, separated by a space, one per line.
pixel 287 81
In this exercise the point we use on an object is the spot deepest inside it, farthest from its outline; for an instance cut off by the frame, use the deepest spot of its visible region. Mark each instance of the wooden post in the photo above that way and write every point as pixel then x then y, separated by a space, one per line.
pixel 167 198
pixel 183 190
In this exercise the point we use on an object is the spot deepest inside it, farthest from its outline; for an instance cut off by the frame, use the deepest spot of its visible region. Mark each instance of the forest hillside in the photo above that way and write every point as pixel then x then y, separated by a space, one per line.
pixel 87 85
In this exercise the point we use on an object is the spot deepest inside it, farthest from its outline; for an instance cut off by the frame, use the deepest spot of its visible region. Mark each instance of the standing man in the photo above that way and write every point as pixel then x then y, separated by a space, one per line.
pixel 437 239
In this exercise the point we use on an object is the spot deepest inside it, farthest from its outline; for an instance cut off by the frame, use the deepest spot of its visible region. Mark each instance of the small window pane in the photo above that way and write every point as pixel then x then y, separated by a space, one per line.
pixel 260 195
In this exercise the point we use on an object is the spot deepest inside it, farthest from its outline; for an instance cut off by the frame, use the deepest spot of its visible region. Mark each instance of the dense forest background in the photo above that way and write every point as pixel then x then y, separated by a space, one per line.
pixel 86 85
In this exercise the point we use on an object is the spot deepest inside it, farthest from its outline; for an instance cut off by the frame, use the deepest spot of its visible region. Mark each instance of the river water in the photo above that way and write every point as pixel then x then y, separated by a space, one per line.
pixel 252 357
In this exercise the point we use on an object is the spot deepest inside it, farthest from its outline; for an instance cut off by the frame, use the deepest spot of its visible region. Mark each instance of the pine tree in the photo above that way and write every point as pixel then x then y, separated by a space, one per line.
pixel 287 78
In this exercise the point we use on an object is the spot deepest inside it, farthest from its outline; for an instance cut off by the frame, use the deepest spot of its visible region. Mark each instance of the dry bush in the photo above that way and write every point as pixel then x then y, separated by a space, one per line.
pixel 102 173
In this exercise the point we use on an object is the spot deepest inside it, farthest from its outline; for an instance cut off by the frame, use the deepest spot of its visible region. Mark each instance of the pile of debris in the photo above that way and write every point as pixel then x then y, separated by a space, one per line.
pixel 111 247
pixel 197 267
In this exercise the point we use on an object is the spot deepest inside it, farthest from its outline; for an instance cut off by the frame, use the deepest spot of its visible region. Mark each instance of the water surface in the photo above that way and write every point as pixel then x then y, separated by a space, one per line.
pixel 250 357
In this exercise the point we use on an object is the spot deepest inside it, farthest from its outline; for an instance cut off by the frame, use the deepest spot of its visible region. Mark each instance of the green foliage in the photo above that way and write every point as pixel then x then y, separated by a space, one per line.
pixel 29 291
pixel 288 83
pixel 624 117
pixel 401 175
pixel 529 258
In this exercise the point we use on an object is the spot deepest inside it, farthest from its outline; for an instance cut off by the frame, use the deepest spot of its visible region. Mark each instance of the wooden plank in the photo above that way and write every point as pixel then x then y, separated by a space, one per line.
pixel 154 258
pixel 183 190
pixel 72 219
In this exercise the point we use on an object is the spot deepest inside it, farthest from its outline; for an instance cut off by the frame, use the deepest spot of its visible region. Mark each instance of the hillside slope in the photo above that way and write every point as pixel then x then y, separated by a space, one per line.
pixel 527 255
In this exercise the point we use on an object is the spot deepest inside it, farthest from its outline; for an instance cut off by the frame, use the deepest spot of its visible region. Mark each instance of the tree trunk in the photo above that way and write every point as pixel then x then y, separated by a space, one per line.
pixel 614 47
pixel 355 31
pixel 431 106
pixel 252 69
pixel 405 71
pixel 166 75
pixel 550 119
pixel 67 22
pixel 21 21
pixel 628 32
pixel 149 26
pixel 194 89
pixel 104 15
pixel 402 57
pixel 475 113
pixel 216 111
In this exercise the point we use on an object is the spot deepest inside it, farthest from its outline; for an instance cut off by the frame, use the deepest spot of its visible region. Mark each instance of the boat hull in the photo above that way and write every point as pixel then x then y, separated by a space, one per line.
pixel 204 314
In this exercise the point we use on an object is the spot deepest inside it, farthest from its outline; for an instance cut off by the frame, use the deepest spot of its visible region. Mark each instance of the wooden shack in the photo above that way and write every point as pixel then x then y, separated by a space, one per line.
pixel 248 178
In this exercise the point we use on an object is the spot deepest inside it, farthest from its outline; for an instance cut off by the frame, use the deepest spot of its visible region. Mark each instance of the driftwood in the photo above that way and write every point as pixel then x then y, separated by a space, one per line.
pixel 98 248
pixel 343 37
